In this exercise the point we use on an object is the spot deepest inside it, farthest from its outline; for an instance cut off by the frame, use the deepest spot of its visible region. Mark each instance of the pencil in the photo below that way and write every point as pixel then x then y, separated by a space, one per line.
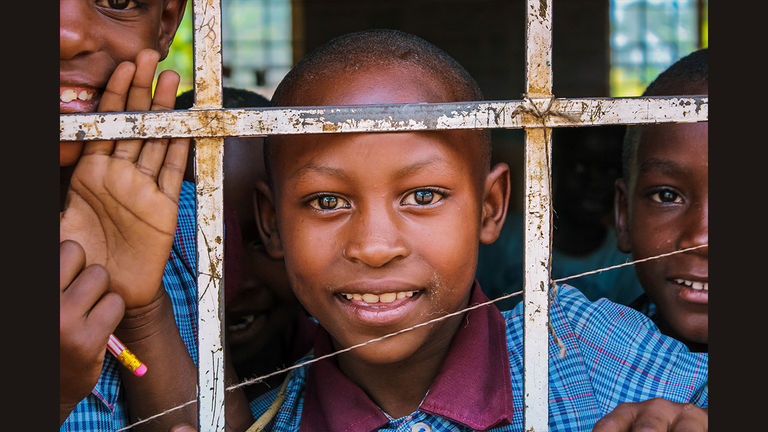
pixel 127 358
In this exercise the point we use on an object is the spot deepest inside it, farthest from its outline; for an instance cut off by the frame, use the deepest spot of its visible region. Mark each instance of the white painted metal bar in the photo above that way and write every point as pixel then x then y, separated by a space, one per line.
pixel 537 219
pixel 512 114
pixel 209 156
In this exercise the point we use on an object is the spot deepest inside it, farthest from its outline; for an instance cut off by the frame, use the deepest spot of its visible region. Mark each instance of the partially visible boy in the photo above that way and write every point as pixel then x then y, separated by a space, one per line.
pixel 266 327
pixel 662 206
pixel 128 209
pixel 380 232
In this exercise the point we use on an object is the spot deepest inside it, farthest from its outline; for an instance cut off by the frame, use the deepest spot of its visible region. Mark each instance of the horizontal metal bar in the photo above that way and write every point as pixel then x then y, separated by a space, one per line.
pixel 512 114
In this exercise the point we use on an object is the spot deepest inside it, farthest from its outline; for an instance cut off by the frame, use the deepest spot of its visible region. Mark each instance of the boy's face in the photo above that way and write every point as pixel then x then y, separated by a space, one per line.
pixel 380 231
pixel 665 208
pixel 94 37
pixel 260 305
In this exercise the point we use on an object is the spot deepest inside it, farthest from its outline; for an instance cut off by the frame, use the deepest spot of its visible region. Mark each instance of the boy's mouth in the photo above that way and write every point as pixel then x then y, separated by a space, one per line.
pixel 373 299
pixel 693 291
pixel 372 304
pixel 697 285
pixel 77 99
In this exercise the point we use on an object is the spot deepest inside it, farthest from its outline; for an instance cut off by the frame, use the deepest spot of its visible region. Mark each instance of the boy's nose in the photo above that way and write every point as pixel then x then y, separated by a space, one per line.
pixel 76 33
pixel 374 239
pixel 696 229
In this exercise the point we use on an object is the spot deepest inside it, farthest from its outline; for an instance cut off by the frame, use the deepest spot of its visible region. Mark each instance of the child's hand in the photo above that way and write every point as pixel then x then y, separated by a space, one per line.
pixel 87 315
pixel 123 197
pixel 654 415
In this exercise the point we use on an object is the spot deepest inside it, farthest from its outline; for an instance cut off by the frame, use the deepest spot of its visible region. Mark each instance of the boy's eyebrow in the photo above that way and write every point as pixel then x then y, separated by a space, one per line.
pixel 416 166
pixel 321 169
pixel 340 173
pixel 665 166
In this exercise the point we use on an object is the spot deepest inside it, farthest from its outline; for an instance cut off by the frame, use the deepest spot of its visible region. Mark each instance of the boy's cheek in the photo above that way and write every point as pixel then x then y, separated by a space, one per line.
pixel 69 152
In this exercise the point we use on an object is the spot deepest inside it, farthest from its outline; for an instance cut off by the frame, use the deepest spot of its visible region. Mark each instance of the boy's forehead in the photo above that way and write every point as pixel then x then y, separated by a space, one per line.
pixel 381 84
pixel 400 153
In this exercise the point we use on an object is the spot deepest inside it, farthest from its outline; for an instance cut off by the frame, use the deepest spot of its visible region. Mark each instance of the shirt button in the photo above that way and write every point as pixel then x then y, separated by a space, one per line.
pixel 421 427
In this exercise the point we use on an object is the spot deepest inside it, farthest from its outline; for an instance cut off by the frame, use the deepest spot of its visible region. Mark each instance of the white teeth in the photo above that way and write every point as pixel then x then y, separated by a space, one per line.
pixel 69 95
pixel 387 297
pixel 694 285
pixel 383 298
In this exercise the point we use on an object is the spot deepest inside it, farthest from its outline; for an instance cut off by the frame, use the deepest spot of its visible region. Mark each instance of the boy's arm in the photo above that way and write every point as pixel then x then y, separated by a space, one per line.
pixel 171 377
pixel 122 206
pixel 654 415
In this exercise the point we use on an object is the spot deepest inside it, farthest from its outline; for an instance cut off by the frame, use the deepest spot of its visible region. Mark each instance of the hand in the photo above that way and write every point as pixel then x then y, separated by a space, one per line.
pixel 654 415
pixel 122 201
pixel 87 316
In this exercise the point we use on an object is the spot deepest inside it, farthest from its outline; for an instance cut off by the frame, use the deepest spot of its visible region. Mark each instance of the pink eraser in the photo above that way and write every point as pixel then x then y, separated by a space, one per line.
pixel 141 370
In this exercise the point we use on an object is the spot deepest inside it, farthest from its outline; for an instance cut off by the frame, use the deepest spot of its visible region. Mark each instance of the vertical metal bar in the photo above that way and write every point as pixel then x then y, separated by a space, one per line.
pixel 209 178
pixel 537 218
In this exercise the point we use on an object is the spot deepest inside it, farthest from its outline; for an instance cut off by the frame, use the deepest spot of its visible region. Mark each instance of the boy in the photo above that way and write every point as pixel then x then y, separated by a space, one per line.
pixel 380 232
pixel 123 200
pixel 661 206
pixel 266 328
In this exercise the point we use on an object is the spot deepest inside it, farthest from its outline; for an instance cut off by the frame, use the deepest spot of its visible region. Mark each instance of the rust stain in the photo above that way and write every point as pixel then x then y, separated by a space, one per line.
pixel 330 127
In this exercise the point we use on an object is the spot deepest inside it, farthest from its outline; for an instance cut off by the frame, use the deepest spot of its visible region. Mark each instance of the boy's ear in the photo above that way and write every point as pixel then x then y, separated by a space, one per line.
pixel 173 12
pixel 266 220
pixel 621 216
pixel 495 203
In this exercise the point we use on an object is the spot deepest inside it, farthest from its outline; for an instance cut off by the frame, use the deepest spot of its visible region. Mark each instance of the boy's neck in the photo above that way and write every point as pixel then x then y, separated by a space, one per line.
pixel 399 388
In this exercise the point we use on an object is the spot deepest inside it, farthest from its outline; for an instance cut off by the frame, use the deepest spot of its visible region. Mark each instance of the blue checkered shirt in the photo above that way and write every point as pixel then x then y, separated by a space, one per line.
pixel 614 354
pixel 104 409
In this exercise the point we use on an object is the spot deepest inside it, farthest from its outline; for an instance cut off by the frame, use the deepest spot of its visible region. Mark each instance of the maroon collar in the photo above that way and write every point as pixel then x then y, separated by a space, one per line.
pixel 477 363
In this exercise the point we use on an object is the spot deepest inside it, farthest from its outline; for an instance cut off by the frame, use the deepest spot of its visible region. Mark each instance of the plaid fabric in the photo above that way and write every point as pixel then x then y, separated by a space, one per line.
pixel 614 355
pixel 103 409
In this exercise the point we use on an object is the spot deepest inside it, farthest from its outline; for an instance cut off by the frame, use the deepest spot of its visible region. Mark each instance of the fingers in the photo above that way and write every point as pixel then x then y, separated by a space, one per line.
pixel 654 415
pixel 106 314
pixel 139 98
pixel 85 290
pixel 172 174
pixel 71 261
pixel 692 419
pixel 112 100
pixel 153 153
pixel 617 420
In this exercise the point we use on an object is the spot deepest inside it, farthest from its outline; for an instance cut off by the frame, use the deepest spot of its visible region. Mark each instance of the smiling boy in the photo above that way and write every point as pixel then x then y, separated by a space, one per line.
pixel 126 206
pixel 380 232
pixel 662 206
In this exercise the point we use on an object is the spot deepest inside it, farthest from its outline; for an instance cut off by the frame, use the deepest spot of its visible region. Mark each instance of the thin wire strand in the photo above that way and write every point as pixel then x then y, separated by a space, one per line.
pixel 380 338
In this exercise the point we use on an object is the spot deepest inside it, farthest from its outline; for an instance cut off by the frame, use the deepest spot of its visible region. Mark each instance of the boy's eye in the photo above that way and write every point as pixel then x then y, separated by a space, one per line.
pixel 422 197
pixel 117 4
pixel 666 196
pixel 329 202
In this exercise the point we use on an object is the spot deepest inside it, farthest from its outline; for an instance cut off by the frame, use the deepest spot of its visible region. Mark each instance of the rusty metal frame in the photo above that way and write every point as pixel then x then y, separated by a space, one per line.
pixel 208 123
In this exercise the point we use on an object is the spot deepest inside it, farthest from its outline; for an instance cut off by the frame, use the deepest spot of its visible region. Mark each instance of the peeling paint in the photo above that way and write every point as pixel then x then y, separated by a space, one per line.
pixel 512 114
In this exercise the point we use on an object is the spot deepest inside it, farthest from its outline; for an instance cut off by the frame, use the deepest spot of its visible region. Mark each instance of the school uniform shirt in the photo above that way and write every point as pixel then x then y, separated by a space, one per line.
pixel 614 355
pixel 104 409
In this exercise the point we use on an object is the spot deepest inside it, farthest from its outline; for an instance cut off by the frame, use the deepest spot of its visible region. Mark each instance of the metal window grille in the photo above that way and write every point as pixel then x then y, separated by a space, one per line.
pixel 208 123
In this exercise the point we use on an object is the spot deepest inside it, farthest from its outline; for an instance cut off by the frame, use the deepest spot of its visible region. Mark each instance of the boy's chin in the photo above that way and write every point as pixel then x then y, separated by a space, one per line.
pixel 69 152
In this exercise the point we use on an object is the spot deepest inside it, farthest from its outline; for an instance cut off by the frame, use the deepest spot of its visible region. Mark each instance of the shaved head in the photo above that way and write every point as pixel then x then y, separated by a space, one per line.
pixel 687 76
pixel 399 55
